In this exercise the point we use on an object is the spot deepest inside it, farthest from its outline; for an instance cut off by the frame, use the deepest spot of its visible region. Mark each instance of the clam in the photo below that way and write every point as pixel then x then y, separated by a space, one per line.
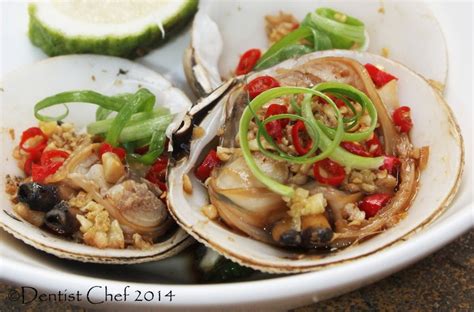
pixel 252 227
pixel 405 32
pixel 132 201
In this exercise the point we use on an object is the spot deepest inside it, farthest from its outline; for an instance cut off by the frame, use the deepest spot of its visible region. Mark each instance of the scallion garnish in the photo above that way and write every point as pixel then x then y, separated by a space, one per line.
pixel 135 121
pixel 324 138
pixel 323 29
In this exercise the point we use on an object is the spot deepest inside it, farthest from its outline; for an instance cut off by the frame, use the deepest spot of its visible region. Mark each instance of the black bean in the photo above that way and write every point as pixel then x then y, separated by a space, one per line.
pixel 290 238
pixel 314 237
pixel 60 220
pixel 38 196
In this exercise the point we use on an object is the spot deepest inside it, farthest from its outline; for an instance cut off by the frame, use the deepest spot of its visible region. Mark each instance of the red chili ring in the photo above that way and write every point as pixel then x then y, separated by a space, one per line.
pixel 107 148
pixel 275 127
pixel 39 173
pixel 48 156
pixel 157 173
pixel 402 119
pixel 355 148
pixel 210 162
pixel 29 134
pixel 336 173
pixel 247 61
pixel 295 131
pixel 374 146
pixel 261 84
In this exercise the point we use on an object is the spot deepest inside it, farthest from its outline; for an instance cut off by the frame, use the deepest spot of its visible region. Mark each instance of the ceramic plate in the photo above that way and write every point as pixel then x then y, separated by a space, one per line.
pixel 23 265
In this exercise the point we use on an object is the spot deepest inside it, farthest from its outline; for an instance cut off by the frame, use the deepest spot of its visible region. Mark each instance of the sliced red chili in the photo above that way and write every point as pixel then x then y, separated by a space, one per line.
pixel 33 158
pixel 402 119
pixel 391 164
pixel 210 162
pixel 39 172
pixel 275 127
pixel 275 130
pixel 339 102
pixel 300 147
pixel 374 146
pixel 373 203
pixel 157 173
pixel 335 173
pixel 51 156
pixel 355 148
pixel 28 166
pixel 277 109
pixel 31 133
pixel 261 84
pixel 120 152
pixel 248 61
pixel 379 77
pixel 107 148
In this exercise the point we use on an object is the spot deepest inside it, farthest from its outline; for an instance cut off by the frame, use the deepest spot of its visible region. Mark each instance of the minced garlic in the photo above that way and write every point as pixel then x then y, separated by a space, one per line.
pixel 48 127
pixel 140 243
pixel 98 229
pixel 302 204
pixel 352 213
pixel 224 153
pixel 280 25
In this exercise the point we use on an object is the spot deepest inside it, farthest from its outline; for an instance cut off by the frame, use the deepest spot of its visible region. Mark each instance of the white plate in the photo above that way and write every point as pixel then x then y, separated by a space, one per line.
pixel 106 75
pixel 408 31
pixel 23 265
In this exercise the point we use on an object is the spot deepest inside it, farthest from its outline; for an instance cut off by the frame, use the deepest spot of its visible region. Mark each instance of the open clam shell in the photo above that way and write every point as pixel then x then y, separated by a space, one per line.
pixel 435 126
pixel 407 31
pixel 22 89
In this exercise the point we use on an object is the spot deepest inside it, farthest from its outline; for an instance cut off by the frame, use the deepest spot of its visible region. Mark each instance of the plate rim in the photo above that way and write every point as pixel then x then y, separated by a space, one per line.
pixel 296 286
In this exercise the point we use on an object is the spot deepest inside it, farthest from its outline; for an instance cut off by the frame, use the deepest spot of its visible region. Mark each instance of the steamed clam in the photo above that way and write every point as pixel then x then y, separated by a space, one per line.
pixel 134 202
pixel 96 206
pixel 219 37
pixel 272 213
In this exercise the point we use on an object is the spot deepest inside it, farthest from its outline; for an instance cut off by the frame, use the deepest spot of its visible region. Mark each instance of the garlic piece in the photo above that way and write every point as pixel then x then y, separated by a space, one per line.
pixel 302 204
pixel 113 167
pixel 187 185
pixel 210 211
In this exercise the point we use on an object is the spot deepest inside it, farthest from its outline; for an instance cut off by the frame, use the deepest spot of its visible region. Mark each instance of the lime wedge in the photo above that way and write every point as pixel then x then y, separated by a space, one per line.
pixel 127 28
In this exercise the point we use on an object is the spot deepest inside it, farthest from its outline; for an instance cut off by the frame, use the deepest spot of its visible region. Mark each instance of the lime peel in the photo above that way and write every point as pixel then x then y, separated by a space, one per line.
pixel 57 29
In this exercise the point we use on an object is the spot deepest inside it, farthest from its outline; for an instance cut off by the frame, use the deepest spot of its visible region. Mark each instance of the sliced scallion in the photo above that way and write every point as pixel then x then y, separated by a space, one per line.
pixel 325 138
pixel 135 121
pixel 103 126
pixel 323 29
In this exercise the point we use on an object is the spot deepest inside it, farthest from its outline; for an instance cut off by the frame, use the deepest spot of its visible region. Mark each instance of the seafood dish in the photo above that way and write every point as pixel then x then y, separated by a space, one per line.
pixel 312 155
pixel 100 186
pixel 309 138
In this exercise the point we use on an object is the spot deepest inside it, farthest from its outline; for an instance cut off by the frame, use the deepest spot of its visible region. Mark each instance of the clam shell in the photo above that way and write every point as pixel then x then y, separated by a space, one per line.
pixel 407 30
pixel 435 126
pixel 110 75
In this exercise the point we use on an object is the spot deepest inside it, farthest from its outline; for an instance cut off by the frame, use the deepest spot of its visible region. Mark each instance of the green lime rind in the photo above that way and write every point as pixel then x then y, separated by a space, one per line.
pixel 54 42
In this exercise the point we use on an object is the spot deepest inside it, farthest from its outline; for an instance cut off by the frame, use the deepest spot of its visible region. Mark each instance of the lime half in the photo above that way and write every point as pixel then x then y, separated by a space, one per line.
pixel 126 28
